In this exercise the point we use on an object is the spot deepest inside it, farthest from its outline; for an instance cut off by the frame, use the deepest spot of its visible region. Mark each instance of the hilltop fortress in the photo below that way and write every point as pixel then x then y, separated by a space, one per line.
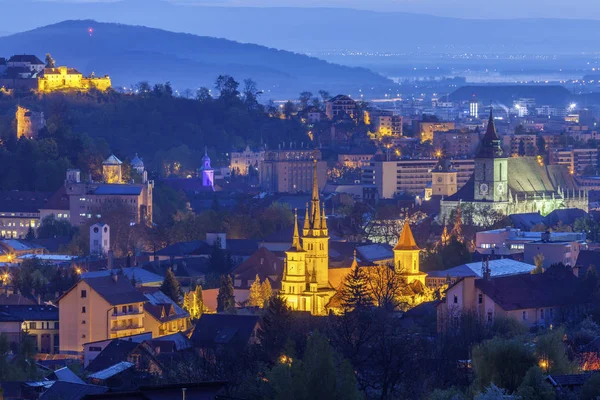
pixel 22 73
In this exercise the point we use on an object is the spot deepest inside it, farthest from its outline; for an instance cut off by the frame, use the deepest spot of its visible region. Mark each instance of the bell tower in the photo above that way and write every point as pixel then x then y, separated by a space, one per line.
pixel 491 168
pixel 443 179
pixel 406 257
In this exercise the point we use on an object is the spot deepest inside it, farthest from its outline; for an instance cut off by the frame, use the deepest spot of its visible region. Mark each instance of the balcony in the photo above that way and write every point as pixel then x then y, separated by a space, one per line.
pixel 126 327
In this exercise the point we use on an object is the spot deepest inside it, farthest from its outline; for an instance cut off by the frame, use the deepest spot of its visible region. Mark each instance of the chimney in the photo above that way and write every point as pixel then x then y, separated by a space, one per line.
pixel 39 299
pixel 487 272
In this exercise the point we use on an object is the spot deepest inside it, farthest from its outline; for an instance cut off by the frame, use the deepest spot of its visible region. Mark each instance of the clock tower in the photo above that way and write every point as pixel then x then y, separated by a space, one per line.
pixel 443 179
pixel 491 168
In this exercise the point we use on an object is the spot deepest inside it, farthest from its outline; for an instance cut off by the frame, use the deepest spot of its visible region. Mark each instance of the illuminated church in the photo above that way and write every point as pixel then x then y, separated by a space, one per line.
pixel 513 185
pixel 305 283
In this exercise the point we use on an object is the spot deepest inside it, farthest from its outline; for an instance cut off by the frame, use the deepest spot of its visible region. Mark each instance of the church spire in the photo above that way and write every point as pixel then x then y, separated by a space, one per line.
pixel 315 221
pixel 296 240
pixel 490 144
pixel 306 222
pixel 406 240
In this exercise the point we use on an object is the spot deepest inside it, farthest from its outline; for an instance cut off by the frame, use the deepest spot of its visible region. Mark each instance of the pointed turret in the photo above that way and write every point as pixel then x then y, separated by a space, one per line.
pixel 323 220
pixel 490 144
pixel 296 239
pixel 306 222
pixel 406 240
pixel 354 261
pixel 315 222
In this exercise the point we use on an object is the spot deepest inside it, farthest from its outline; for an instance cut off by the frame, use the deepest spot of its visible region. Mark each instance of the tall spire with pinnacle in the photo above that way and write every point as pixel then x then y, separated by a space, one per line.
pixel 296 240
pixel 406 240
pixel 315 217
pixel 490 144
pixel 306 222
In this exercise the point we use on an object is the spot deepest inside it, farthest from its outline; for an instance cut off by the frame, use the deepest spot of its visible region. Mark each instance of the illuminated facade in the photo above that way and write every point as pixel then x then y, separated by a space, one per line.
pixel 207 172
pixel 111 170
pixel 242 161
pixel 63 78
pixel 406 257
pixel 305 283
pixel 29 123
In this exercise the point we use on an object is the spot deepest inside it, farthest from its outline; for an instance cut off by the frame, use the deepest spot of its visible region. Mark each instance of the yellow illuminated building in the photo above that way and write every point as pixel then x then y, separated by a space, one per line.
pixel 305 283
pixel 63 78
pixel 406 257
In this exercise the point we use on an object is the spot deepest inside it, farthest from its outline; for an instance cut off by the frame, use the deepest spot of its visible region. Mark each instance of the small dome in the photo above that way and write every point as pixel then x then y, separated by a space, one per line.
pixel 137 162
pixel 112 160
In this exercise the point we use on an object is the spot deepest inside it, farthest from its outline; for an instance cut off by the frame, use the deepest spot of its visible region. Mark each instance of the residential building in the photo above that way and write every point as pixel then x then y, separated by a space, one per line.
pixel 555 251
pixel 242 161
pixel 383 123
pixel 28 61
pixel 509 241
pixel 19 211
pixel 216 332
pixel 291 170
pixel 163 316
pixel 456 143
pixel 578 161
pixel 357 159
pixel 90 199
pixel 263 263
pixel 99 308
pixel 426 129
pixel 57 206
pixel 498 267
pixel 339 106
pixel 532 299
pixel 39 322
pixel 411 176
pixel 520 144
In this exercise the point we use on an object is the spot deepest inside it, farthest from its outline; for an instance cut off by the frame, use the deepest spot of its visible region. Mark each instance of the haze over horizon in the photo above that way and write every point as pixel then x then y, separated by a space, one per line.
pixel 584 9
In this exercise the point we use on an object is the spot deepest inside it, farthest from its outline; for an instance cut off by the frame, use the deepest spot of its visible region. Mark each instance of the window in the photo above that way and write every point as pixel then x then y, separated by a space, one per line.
pixel 480 298
pixel 489 316
pixel 455 299
pixel 124 309
pixel 56 325
pixel 83 310
pixel 83 322
pixel 95 348
pixel 83 294
pixel 524 315
pixel 542 313
pixel 32 325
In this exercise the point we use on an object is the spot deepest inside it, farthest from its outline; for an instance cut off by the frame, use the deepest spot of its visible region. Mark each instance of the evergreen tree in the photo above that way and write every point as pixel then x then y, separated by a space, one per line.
pixel 255 297
pixel 226 296
pixel 535 387
pixel 267 292
pixel 170 286
pixel 275 327
pixel 355 293
pixel 30 234
pixel 198 301
pixel 188 303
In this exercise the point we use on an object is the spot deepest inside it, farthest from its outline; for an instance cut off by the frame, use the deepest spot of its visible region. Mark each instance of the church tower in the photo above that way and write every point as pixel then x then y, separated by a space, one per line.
pixel 315 238
pixel 406 257
pixel 293 283
pixel 208 173
pixel 491 168
pixel 443 177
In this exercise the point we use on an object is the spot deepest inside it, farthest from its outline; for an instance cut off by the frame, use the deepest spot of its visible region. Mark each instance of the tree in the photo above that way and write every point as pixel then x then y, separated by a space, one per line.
pixel 355 294
pixel 324 95
pixel 492 392
pixel 226 296
pixel 304 99
pixel 227 87
pixel 501 362
pixel 535 387
pixel 251 94
pixel 319 375
pixel 50 63
pixel 386 286
pixel 275 327
pixel 550 348
pixel 203 95
pixel 267 292
pixel 53 228
pixel 170 286
pixel 188 303
pixel 538 261
pixel 591 388
pixel 255 296
pixel 198 302
pixel 30 234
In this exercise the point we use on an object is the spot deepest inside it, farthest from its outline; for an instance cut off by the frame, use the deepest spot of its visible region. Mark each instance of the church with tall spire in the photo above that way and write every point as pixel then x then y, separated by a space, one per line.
pixel 305 283
pixel 512 185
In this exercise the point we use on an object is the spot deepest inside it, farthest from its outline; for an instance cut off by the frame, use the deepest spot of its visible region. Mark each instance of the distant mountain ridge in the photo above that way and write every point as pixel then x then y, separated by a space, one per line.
pixel 323 29
pixel 130 54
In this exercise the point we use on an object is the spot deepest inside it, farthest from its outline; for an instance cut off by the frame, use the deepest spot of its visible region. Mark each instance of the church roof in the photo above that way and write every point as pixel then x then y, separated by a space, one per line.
pixel 137 162
pixel 525 177
pixel 407 240
pixel 490 144
pixel 112 160
pixel 444 165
